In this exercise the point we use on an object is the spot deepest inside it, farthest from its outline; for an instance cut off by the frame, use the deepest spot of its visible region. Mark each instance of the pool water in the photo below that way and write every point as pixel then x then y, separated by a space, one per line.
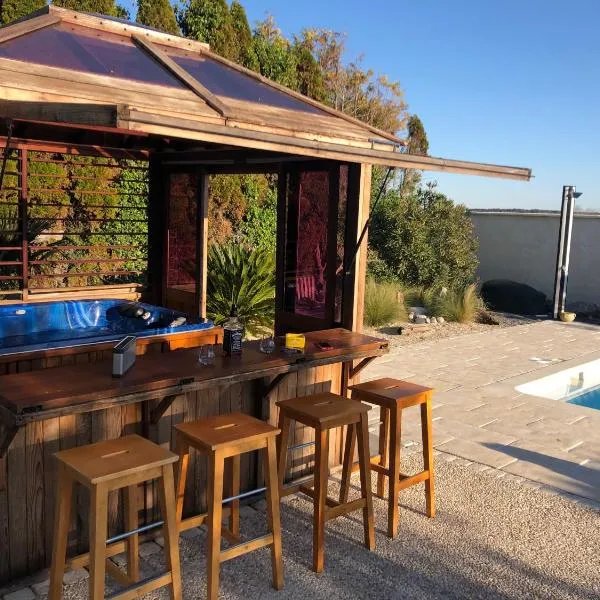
pixel 591 399
pixel 578 385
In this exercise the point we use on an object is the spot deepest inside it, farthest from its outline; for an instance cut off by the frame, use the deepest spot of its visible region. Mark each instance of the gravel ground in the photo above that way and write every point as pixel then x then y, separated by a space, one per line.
pixel 492 539
pixel 446 330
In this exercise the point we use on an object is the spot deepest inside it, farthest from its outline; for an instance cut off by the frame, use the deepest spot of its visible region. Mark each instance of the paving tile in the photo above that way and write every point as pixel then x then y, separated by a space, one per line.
pixel 22 594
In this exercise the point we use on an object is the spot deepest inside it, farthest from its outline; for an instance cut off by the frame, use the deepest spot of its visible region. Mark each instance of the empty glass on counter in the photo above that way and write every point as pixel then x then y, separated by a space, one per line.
pixel 206 355
pixel 267 344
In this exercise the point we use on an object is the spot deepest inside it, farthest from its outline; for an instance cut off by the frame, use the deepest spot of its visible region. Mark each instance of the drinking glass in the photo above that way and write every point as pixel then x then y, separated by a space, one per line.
pixel 267 344
pixel 206 355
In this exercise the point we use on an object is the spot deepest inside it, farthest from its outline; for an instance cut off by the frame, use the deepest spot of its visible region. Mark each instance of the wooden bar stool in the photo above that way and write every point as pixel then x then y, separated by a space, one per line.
pixel 222 437
pixel 392 396
pixel 323 412
pixel 101 468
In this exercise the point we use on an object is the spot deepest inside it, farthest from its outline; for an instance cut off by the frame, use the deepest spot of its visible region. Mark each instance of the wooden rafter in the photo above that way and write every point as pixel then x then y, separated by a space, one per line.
pixel 16 30
pixel 193 84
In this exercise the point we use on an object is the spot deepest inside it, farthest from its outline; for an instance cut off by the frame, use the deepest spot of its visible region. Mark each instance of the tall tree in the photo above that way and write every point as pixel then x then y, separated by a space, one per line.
pixel 10 10
pixel 310 80
pixel 103 7
pixel 276 58
pixel 244 49
pixel 157 14
pixel 209 21
pixel 417 143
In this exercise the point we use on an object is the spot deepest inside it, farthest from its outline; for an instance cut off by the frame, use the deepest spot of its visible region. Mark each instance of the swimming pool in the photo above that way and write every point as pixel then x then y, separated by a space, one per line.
pixel 578 385
pixel 51 325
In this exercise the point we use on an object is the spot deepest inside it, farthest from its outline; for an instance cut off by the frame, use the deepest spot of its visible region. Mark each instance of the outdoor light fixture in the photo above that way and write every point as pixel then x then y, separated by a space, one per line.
pixel 564 248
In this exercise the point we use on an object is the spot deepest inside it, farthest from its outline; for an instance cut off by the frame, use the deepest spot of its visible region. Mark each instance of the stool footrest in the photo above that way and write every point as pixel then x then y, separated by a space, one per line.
pixel 245 547
pixel 408 480
pixel 341 509
pixel 142 588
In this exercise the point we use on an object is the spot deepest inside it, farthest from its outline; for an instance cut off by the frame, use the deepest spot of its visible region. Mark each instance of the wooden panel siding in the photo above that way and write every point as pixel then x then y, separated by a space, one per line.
pixel 27 473
pixel 27 502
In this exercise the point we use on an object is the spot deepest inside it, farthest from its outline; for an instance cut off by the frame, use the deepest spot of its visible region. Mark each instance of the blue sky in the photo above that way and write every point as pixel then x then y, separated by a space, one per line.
pixel 515 82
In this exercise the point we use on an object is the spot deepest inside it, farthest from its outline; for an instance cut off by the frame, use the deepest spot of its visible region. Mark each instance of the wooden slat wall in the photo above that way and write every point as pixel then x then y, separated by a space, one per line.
pixel 27 474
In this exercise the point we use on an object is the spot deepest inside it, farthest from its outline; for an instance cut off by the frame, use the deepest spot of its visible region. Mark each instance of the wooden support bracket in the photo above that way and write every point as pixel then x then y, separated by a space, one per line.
pixel 274 384
pixel 8 435
pixel 365 362
pixel 161 409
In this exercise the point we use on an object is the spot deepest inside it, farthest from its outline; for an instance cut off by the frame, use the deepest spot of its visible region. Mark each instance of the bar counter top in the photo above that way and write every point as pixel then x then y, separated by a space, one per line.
pixel 44 394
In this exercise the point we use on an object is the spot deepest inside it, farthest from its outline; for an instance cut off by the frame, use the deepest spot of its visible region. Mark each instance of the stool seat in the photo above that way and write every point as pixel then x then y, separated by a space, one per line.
pixel 225 438
pixel 228 430
pixel 103 462
pixel 324 410
pixel 102 468
pixel 393 396
pixel 390 392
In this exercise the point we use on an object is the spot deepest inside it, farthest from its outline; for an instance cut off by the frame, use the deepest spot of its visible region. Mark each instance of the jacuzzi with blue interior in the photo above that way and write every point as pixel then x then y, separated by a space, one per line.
pixel 26 328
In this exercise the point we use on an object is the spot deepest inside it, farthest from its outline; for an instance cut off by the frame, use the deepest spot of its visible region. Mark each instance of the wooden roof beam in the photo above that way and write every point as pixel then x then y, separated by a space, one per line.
pixel 191 82
pixel 258 140
pixel 104 115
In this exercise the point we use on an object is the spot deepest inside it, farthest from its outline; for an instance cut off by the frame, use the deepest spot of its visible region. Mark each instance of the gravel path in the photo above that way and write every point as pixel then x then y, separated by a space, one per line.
pixel 492 539
pixel 446 330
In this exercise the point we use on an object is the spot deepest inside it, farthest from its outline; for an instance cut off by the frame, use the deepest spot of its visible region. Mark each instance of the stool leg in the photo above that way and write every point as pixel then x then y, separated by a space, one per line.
pixel 170 530
pixel 348 463
pixel 132 522
pixel 98 534
pixel 364 459
pixel 273 513
pixel 320 495
pixel 282 448
pixel 384 448
pixel 394 478
pixel 427 432
pixel 215 511
pixel 234 515
pixel 183 450
pixel 62 521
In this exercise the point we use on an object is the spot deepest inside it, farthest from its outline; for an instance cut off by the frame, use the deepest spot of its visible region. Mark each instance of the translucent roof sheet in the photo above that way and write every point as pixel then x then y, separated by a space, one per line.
pixel 224 81
pixel 82 49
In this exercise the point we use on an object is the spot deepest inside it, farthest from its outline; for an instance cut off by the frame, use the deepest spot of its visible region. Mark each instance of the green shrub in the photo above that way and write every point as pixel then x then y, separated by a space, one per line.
pixel 422 239
pixel 246 278
pixel 460 304
pixel 382 305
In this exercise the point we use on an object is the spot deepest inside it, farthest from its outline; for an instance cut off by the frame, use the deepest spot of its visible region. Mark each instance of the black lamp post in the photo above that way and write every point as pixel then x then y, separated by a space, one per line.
pixel 564 248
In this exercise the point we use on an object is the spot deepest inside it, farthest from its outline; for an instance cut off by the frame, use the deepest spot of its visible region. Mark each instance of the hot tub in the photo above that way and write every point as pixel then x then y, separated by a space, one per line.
pixel 51 329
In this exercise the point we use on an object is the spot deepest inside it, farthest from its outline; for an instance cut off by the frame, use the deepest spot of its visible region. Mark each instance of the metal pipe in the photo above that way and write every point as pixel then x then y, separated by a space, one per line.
pixel 299 446
pixel 244 495
pixel 123 536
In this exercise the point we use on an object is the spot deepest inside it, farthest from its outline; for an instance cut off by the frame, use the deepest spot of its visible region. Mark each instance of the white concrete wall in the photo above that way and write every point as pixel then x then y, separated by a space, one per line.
pixel 523 246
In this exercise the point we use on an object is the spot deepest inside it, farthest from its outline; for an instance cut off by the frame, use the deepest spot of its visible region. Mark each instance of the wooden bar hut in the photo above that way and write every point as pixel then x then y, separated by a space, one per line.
pixel 161 113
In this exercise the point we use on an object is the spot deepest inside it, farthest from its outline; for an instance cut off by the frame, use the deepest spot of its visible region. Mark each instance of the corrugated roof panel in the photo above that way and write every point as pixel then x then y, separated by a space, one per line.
pixel 226 82
pixel 83 49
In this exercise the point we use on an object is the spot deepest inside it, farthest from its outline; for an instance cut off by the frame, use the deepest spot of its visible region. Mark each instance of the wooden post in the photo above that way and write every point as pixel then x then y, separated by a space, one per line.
pixel 157 225
pixel 359 199
pixel 23 184
pixel 202 243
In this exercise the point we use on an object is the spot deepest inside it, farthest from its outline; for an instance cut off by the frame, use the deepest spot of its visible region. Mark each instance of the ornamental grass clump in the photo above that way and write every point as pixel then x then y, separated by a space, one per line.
pixel 460 304
pixel 383 305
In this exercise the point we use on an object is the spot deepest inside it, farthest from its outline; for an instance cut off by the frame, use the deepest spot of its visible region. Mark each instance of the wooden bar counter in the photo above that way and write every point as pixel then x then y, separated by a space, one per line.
pixel 54 409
